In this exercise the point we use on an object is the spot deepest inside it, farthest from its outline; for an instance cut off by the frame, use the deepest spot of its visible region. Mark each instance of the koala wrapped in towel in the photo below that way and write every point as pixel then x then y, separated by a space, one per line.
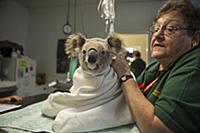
pixel 96 100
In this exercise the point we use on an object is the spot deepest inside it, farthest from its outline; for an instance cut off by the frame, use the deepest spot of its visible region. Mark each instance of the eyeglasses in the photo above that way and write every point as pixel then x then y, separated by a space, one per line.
pixel 167 30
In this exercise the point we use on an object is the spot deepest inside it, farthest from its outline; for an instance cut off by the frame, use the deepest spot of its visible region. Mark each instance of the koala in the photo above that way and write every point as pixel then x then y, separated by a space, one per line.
pixel 94 53
pixel 95 56
pixel 95 101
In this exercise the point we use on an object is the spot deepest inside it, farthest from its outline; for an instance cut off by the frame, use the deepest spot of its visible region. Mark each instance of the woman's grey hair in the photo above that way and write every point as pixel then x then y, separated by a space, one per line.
pixel 190 12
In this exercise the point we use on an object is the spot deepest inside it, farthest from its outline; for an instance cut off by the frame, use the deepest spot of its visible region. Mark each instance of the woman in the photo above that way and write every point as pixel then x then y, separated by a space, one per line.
pixel 166 96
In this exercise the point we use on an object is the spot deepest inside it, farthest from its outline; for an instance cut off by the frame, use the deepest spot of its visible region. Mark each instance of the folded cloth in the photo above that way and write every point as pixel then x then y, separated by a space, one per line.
pixel 95 102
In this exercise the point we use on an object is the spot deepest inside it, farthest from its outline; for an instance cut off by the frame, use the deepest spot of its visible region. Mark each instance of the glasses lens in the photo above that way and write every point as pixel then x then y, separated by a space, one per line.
pixel 153 30
pixel 171 29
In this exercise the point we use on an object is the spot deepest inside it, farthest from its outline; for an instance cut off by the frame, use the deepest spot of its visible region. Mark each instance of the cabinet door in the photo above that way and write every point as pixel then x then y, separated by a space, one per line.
pixel 8 69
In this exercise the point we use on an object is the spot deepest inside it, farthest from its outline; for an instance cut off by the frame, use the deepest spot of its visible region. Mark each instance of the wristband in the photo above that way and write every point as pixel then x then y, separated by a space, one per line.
pixel 124 78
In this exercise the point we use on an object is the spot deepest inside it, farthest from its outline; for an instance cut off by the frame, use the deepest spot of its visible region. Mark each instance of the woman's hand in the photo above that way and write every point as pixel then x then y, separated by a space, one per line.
pixel 11 99
pixel 120 65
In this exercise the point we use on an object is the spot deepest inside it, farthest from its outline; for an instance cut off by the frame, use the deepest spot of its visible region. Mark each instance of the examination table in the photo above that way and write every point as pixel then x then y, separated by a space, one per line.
pixel 29 119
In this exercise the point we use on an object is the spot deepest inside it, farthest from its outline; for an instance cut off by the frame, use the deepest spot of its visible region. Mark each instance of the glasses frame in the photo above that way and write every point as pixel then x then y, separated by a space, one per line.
pixel 168 30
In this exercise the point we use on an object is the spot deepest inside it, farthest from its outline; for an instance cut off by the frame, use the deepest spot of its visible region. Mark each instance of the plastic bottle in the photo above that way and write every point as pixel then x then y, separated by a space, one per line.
pixel 13 54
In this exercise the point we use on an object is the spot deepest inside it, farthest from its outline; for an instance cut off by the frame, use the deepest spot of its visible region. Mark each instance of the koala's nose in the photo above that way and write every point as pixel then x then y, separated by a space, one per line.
pixel 92 56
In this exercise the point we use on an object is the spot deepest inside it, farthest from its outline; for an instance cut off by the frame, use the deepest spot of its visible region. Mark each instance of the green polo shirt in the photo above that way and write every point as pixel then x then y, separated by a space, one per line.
pixel 176 93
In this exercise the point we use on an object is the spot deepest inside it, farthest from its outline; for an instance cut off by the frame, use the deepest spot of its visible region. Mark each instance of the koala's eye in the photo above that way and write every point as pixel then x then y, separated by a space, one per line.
pixel 84 52
pixel 103 52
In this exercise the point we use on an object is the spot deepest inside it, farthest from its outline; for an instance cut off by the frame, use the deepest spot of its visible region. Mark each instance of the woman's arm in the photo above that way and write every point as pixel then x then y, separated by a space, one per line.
pixel 141 109
pixel 10 99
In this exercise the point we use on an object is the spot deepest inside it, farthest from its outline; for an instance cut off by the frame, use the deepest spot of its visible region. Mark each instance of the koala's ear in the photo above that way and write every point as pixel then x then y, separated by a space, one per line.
pixel 81 40
pixel 114 42
pixel 74 41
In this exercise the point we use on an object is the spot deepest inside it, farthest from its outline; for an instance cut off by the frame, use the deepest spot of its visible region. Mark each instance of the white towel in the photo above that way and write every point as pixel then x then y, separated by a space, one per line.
pixel 95 102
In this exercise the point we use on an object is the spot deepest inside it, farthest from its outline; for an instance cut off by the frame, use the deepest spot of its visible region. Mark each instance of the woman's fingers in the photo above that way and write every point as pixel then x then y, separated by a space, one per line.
pixel 119 64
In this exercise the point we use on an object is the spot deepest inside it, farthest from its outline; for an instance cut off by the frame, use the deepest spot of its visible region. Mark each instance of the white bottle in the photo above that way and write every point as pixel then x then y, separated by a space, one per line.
pixel 13 54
